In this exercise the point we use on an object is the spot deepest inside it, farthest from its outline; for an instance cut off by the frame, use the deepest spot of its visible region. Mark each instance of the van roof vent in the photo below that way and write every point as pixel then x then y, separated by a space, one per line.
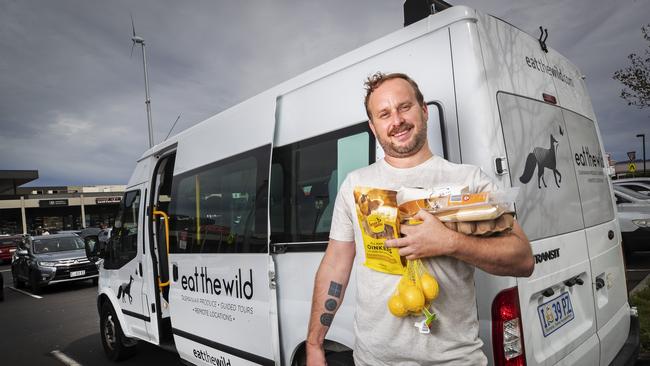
pixel 415 10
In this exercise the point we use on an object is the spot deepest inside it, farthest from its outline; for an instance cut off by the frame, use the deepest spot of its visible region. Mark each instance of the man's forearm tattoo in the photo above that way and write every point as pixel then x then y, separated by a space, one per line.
pixel 335 289
pixel 326 319
pixel 330 304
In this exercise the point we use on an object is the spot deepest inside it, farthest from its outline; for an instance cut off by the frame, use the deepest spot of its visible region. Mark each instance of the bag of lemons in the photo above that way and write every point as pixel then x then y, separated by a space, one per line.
pixel 414 293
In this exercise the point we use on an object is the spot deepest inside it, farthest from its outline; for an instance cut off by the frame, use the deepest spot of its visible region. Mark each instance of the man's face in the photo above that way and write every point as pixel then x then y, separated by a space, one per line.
pixel 398 121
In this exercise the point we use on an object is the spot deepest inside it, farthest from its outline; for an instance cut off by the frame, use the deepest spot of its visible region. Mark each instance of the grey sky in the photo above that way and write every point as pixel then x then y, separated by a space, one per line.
pixel 72 98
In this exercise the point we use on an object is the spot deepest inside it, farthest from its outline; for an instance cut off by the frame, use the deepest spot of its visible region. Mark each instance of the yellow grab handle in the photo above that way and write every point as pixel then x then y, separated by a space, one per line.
pixel 166 219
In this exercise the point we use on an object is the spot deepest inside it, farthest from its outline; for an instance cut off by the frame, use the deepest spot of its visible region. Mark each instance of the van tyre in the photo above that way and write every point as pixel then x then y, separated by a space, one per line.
pixel 116 345
pixel 339 358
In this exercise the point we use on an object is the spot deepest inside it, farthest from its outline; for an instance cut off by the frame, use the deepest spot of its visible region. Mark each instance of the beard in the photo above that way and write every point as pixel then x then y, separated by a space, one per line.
pixel 410 148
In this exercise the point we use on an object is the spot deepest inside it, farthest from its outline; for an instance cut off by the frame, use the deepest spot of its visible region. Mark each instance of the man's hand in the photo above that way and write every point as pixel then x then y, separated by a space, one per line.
pixel 315 355
pixel 431 238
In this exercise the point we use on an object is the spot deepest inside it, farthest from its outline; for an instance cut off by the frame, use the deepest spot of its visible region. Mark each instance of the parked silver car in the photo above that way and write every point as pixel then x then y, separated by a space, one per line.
pixel 633 218
pixel 641 185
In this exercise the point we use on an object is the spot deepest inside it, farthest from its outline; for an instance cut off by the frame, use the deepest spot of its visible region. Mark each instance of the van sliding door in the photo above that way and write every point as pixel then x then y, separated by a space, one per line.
pixel 220 298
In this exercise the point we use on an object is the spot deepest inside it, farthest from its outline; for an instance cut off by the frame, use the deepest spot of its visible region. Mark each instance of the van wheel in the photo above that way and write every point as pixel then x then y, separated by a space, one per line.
pixel 339 358
pixel 116 345
pixel 35 286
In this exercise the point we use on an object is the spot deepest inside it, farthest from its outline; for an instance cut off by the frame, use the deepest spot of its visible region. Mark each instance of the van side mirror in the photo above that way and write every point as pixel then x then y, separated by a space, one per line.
pixel 92 247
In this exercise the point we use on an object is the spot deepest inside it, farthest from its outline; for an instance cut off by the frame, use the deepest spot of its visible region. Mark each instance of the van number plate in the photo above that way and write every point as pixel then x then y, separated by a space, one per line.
pixel 554 313
pixel 77 273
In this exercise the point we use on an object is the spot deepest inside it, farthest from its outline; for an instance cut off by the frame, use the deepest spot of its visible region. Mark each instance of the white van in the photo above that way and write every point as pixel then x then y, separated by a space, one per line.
pixel 223 226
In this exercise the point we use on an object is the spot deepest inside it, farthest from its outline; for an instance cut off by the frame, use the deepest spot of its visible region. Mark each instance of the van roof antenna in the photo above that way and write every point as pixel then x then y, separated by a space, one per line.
pixel 416 10
pixel 171 129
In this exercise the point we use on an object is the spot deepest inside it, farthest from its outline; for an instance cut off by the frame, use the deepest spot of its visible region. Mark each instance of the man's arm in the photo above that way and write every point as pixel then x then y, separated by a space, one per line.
pixel 329 287
pixel 504 254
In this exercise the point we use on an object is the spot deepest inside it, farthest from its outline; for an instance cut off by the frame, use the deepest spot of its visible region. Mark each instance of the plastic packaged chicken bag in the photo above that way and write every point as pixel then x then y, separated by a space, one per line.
pixel 483 213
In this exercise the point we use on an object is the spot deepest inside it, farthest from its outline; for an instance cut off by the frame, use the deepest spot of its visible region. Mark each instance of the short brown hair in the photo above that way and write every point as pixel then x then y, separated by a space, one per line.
pixel 374 81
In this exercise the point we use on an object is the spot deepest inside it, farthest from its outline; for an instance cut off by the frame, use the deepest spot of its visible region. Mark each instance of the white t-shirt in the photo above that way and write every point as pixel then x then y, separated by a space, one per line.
pixel 381 338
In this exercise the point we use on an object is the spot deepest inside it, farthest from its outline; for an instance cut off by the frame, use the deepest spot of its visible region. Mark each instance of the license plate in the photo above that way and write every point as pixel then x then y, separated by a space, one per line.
pixel 554 313
pixel 77 273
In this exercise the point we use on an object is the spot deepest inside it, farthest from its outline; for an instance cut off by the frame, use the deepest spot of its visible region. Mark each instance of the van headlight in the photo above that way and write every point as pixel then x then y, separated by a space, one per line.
pixel 47 264
pixel 645 223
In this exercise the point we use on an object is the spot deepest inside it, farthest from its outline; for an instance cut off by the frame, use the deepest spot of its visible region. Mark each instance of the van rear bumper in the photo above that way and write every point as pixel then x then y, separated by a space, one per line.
pixel 630 351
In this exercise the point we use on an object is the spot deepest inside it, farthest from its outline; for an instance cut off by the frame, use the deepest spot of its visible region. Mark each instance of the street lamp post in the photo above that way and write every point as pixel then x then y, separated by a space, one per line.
pixel 642 136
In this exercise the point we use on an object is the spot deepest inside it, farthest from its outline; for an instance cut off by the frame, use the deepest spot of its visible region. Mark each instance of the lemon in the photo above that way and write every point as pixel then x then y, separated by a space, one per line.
pixel 413 298
pixel 396 306
pixel 403 284
pixel 430 286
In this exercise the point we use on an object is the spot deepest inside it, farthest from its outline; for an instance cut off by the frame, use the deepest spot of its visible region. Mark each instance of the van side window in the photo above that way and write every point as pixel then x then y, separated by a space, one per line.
pixel 221 208
pixel 123 246
pixel 305 178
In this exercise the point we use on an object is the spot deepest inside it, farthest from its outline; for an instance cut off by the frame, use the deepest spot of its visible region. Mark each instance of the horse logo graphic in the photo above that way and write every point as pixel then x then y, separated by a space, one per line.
pixel 125 290
pixel 542 158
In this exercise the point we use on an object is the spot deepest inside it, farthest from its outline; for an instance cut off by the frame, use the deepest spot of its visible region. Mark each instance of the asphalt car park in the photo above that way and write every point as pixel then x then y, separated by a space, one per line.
pixel 60 322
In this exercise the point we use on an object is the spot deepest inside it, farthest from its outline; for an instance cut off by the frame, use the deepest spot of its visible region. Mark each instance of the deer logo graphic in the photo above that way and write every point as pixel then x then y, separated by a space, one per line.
pixel 541 159
pixel 125 290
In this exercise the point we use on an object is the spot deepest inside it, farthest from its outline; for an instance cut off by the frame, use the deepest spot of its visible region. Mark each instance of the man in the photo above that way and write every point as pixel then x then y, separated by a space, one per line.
pixel 397 116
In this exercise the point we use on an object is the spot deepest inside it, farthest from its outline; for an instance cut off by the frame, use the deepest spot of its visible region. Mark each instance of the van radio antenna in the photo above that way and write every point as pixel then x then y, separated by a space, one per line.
pixel 171 129
pixel 140 41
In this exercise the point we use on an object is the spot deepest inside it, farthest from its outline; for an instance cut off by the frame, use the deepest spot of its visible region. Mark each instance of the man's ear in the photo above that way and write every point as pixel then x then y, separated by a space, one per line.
pixel 425 110
pixel 372 127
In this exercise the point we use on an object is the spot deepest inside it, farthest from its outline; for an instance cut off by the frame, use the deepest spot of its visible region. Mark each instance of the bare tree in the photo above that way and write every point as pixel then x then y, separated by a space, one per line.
pixel 636 77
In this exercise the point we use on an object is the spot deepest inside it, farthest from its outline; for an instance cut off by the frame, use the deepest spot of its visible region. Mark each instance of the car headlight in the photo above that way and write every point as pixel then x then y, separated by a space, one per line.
pixel 642 222
pixel 47 264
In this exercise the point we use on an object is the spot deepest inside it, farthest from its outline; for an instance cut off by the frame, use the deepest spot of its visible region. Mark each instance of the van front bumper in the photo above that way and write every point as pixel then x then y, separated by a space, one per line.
pixel 630 351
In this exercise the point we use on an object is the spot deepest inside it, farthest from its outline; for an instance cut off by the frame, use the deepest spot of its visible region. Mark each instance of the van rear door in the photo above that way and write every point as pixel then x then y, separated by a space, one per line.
pixel 557 301
pixel 222 304
pixel 603 240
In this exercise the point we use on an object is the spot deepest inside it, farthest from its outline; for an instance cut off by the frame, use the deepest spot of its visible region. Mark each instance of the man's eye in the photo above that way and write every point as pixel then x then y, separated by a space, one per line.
pixel 383 115
pixel 405 107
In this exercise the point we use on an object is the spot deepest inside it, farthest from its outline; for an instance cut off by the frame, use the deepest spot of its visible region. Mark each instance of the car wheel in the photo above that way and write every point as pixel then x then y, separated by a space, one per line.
pixel 17 282
pixel 2 294
pixel 95 281
pixel 34 284
pixel 116 345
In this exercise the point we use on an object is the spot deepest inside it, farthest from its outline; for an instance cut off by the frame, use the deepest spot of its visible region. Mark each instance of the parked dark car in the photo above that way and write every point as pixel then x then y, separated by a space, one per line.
pixel 8 245
pixel 50 259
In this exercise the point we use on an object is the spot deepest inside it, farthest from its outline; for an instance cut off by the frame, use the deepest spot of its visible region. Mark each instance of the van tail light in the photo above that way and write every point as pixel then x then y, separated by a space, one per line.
pixel 507 334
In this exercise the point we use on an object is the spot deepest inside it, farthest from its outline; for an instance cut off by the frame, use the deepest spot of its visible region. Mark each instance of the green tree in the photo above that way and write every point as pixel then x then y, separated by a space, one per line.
pixel 636 77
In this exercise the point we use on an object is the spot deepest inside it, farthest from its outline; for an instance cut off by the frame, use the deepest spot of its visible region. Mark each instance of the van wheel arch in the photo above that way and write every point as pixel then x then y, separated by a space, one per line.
pixel 336 354
pixel 116 345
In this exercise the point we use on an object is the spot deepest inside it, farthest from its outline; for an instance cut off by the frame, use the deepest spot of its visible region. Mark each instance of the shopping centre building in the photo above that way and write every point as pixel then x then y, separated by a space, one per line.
pixel 35 209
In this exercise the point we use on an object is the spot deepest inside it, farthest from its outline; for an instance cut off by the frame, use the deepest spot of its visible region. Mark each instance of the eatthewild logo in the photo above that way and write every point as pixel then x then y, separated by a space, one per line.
pixel 200 281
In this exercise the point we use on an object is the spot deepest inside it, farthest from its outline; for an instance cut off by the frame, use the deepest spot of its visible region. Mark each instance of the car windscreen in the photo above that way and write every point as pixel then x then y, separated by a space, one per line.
pixel 57 244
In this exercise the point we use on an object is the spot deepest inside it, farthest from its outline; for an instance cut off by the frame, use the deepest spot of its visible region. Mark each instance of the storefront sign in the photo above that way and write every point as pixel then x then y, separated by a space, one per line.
pixel 52 203
pixel 107 200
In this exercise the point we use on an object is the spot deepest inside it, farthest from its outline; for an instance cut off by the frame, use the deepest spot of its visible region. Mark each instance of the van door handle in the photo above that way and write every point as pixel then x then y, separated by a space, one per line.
pixel 600 283
pixel 175 272
pixel 548 292
pixel 140 265
pixel 574 281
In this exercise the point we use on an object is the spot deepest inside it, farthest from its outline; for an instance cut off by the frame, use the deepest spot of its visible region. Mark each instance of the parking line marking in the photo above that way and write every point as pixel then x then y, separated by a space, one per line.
pixel 64 358
pixel 25 292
